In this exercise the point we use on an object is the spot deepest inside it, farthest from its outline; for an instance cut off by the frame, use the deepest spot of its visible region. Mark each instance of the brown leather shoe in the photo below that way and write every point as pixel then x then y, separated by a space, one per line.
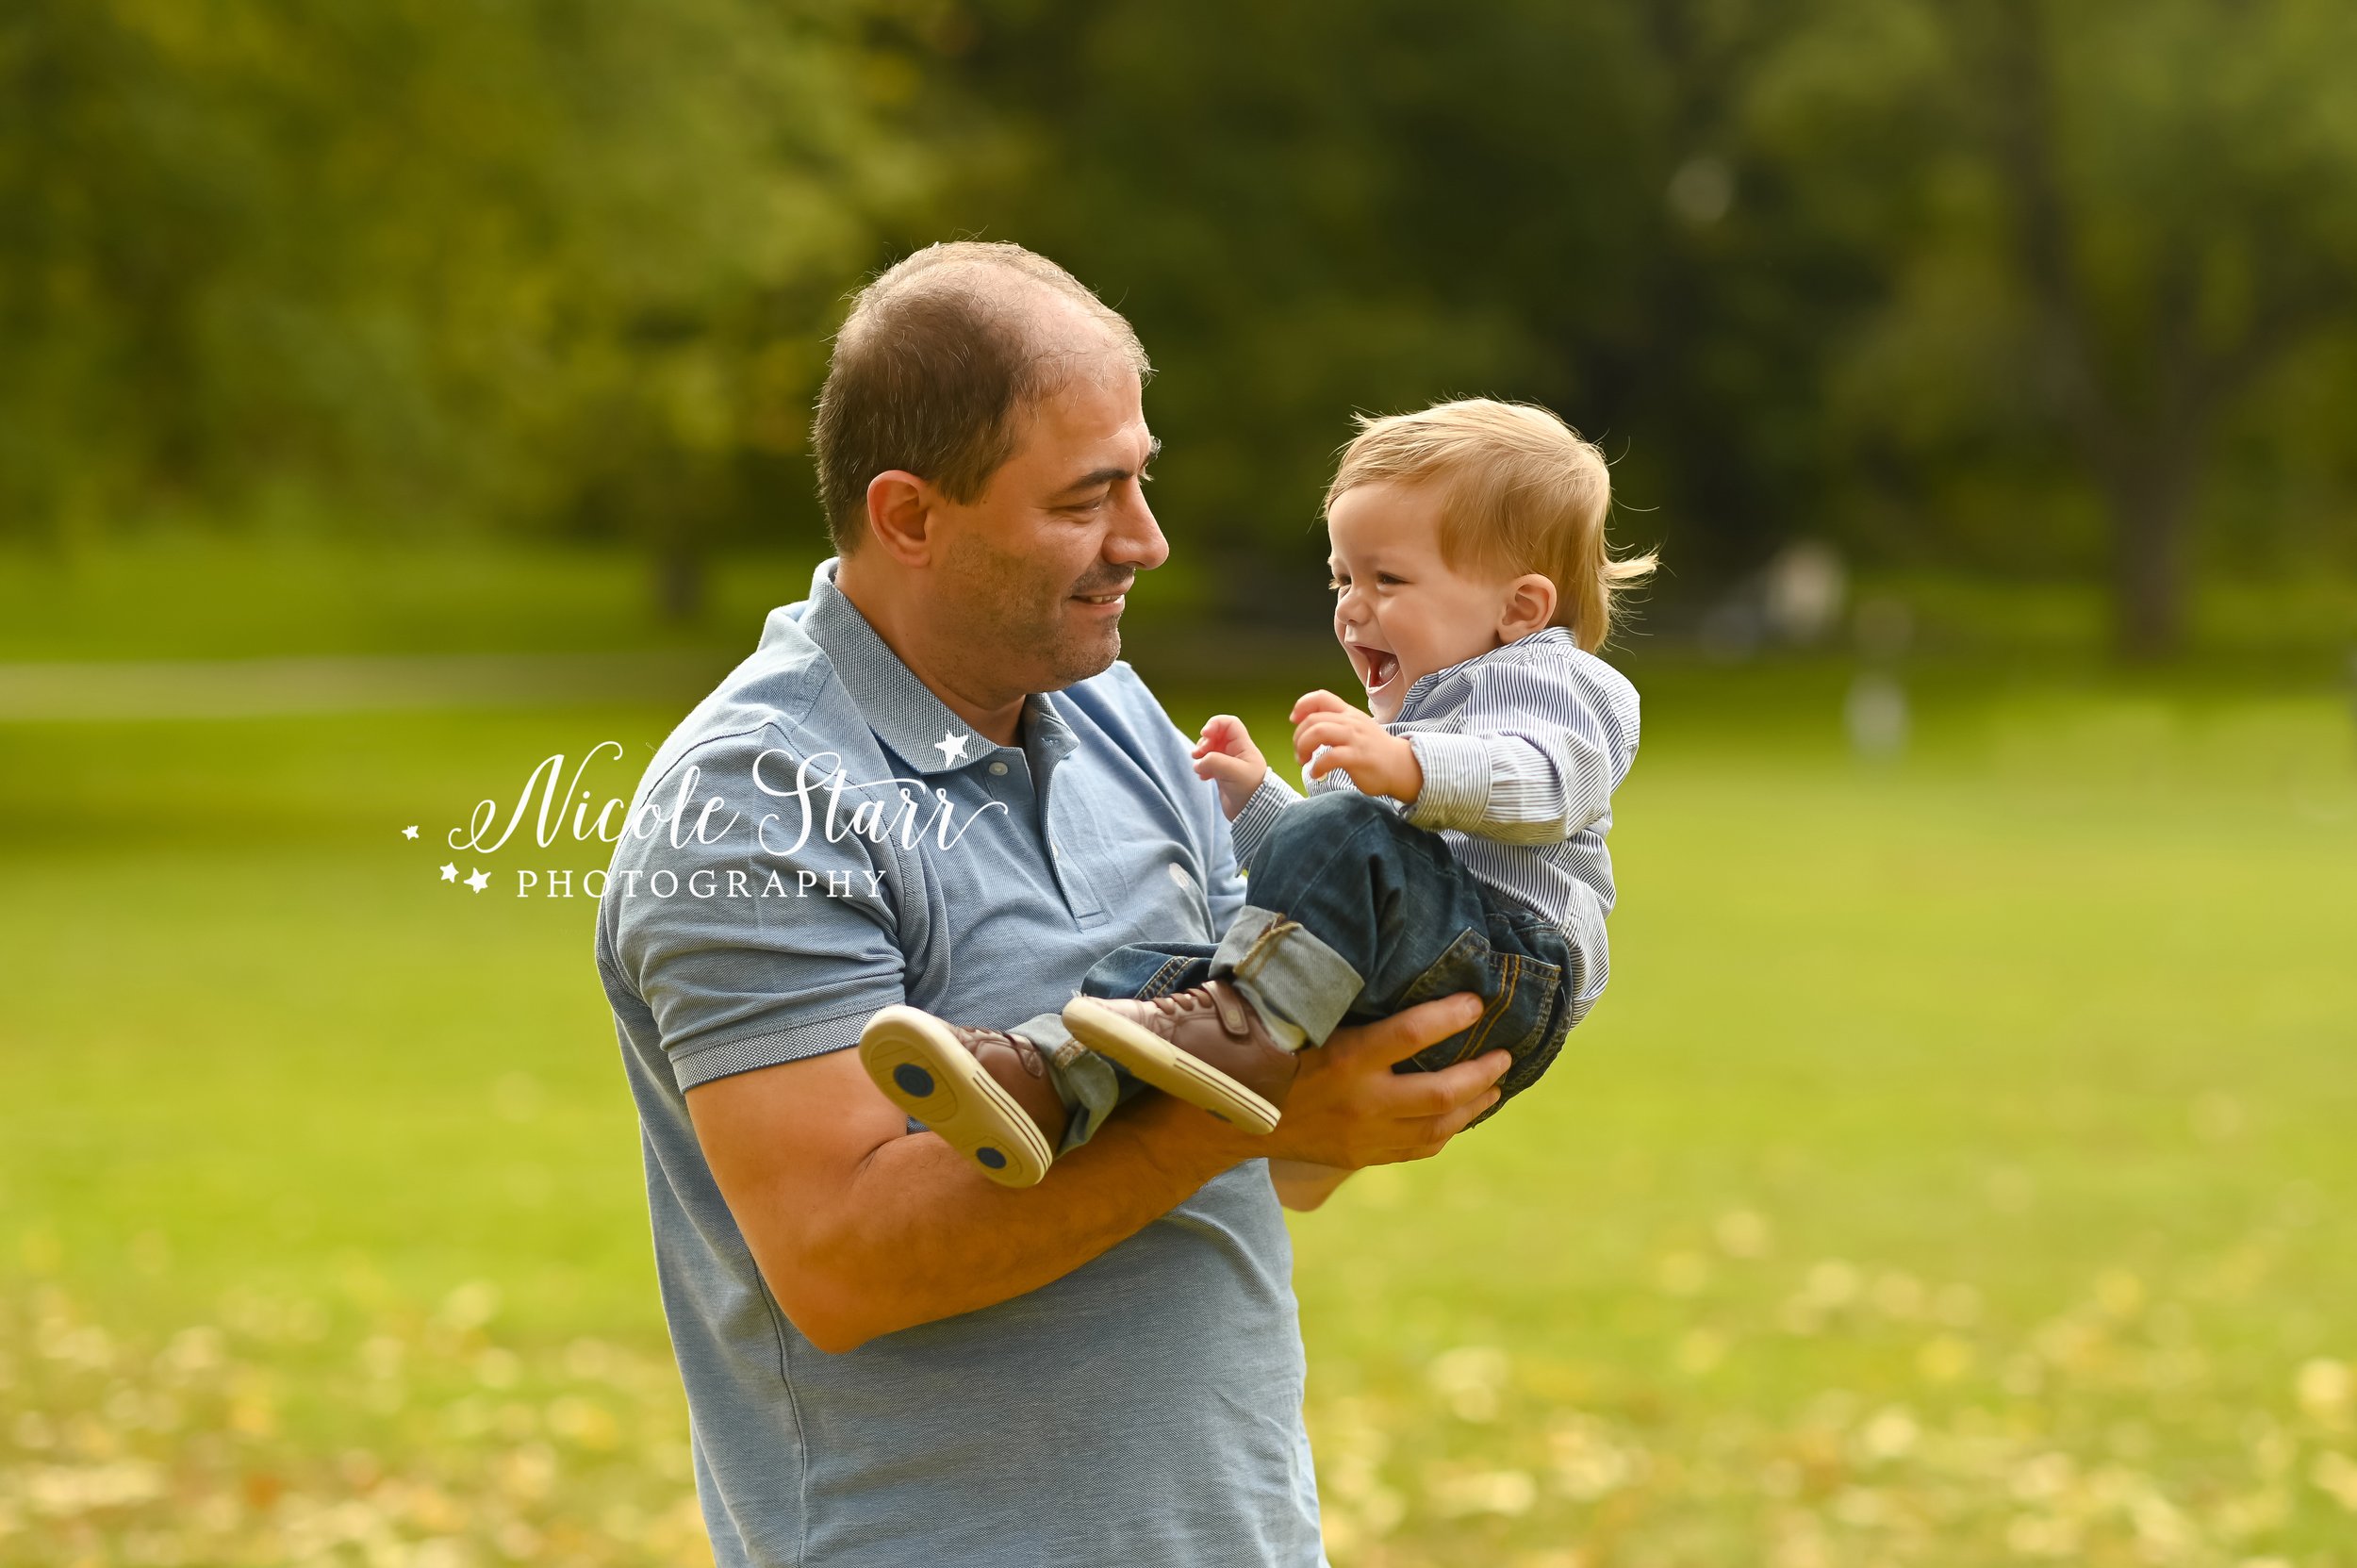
pixel 1207 1046
pixel 986 1093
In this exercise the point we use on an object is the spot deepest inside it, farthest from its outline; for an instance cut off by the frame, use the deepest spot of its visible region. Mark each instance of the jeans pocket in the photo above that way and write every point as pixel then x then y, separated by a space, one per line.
pixel 1468 964
pixel 1518 994
pixel 1527 1025
pixel 1517 1020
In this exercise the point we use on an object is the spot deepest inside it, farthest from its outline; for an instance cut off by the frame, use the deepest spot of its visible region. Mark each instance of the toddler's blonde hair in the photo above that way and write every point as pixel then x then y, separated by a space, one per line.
pixel 1520 491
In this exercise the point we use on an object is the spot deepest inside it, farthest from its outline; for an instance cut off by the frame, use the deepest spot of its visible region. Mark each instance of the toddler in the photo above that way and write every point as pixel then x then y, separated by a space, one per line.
pixel 1452 839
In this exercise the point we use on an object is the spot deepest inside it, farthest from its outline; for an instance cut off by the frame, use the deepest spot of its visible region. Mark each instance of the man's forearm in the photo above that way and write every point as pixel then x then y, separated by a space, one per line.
pixel 861 1229
pixel 922 1236
pixel 1302 1185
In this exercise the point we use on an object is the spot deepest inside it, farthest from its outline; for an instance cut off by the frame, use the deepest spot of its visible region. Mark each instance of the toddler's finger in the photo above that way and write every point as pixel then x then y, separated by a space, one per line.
pixel 1318 732
pixel 1338 753
pixel 1320 700
pixel 1227 732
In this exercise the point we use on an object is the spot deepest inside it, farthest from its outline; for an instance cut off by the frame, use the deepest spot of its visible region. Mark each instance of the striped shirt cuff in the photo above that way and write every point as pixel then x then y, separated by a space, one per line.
pixel 1259 814
pixel 1456 792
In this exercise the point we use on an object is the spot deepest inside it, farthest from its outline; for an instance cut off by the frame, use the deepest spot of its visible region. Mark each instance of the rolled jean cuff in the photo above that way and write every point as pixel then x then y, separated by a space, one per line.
pixel 1301 987
pixel 1084 1080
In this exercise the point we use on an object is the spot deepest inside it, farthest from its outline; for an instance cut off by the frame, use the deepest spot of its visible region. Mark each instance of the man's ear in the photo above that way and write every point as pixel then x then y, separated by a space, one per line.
pixel 1530 605
pixel 900 516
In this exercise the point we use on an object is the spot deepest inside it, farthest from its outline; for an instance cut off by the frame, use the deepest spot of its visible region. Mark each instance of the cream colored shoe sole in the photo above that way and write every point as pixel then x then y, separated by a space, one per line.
pixel 919 1065
pixel 1156 1060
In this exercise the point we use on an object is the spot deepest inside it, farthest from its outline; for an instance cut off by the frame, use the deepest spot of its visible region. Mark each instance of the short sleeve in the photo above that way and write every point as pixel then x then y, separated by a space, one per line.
pixel 757 945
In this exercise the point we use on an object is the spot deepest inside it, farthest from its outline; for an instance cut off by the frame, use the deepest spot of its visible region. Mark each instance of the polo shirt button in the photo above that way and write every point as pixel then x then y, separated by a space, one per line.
pixel 998 768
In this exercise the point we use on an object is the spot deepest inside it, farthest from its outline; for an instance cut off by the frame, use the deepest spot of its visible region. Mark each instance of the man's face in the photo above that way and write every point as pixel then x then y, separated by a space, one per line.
pixel 1034 572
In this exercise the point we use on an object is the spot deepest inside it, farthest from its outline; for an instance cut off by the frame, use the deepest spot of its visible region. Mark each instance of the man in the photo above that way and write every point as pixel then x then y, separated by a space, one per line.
pixel 889 1359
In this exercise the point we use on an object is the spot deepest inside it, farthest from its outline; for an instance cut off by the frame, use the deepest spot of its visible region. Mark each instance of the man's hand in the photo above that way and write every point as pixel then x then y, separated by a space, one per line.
pixel 861 1231
pixel 1227 755
pixel 1347 1109
pixel 1380 763
pixel 1354 1110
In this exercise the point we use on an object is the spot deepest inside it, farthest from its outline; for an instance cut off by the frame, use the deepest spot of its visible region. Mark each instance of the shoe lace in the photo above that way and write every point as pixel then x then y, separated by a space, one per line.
pixel 1179 1003
pixel 1025 1052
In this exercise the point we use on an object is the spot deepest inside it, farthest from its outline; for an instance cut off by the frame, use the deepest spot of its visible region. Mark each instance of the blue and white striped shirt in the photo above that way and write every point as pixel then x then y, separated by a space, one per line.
pixel 1521 748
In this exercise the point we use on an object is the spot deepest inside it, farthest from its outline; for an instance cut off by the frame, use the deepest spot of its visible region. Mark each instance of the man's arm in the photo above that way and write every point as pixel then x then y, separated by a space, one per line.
pixel 861 1229
pixel 1302 1185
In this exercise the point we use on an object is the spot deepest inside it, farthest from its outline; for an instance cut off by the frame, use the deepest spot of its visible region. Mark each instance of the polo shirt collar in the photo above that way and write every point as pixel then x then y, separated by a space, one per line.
pixel 903 710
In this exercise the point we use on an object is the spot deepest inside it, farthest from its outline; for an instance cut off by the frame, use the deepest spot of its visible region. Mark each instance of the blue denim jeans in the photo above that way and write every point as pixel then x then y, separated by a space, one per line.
pixel 1353 915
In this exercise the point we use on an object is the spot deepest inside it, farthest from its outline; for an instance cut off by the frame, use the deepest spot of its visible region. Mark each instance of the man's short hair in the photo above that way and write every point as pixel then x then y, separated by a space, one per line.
pixel 1520 491
pixel 940 360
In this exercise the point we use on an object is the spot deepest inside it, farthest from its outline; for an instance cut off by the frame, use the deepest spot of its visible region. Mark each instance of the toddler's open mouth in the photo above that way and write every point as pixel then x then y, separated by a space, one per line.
pixel 1376 665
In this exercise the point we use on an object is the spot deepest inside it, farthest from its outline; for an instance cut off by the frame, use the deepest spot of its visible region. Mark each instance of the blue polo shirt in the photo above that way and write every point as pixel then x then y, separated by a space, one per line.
pixel 822 837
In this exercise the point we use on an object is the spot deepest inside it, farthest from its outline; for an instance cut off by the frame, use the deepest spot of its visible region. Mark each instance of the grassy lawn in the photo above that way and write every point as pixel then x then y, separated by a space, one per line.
pixel 1959 1171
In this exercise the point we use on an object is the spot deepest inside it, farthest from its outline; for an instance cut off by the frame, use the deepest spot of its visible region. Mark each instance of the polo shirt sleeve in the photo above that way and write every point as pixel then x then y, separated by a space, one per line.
pixel 757 945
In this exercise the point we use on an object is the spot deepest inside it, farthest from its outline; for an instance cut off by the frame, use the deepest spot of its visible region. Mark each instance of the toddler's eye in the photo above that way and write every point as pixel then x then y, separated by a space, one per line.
pixel 1384 579
pixel 1336 585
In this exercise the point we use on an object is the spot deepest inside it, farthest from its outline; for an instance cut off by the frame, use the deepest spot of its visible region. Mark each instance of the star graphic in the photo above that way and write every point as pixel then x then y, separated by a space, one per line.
pixel 478 881
pixel 952 747
pixel 409 832
pixel 450 872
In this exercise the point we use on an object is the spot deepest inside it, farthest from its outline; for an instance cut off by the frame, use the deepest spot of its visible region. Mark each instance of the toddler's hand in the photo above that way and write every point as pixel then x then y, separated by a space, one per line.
pixel 1380 763
pixel 1227 755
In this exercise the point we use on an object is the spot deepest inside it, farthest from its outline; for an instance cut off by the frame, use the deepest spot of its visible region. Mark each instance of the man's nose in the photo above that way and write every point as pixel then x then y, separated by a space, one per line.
pixel 1136 540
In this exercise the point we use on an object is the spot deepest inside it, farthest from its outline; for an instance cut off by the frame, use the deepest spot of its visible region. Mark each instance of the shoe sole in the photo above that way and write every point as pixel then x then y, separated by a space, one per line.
pixel 918 1065
pixel 1156 1060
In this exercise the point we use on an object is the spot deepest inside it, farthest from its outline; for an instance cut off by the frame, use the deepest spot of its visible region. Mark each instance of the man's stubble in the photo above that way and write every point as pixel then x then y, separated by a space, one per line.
pixel 1006 602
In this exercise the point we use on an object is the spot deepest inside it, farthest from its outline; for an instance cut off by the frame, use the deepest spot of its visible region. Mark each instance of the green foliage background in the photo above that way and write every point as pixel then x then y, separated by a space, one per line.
pixel 2042 290
pixel 1959 1171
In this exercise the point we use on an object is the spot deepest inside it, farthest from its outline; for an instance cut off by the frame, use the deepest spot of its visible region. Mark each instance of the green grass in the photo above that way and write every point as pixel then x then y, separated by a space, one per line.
pixel 1958 1170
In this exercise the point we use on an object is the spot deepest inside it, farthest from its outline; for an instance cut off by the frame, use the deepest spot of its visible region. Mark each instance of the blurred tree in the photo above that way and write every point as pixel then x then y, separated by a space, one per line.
pixel 1960 279
pixel 2001 281
pixel 2122 219
pixel 1318 207
pixel 2181 185
pixel 378 264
